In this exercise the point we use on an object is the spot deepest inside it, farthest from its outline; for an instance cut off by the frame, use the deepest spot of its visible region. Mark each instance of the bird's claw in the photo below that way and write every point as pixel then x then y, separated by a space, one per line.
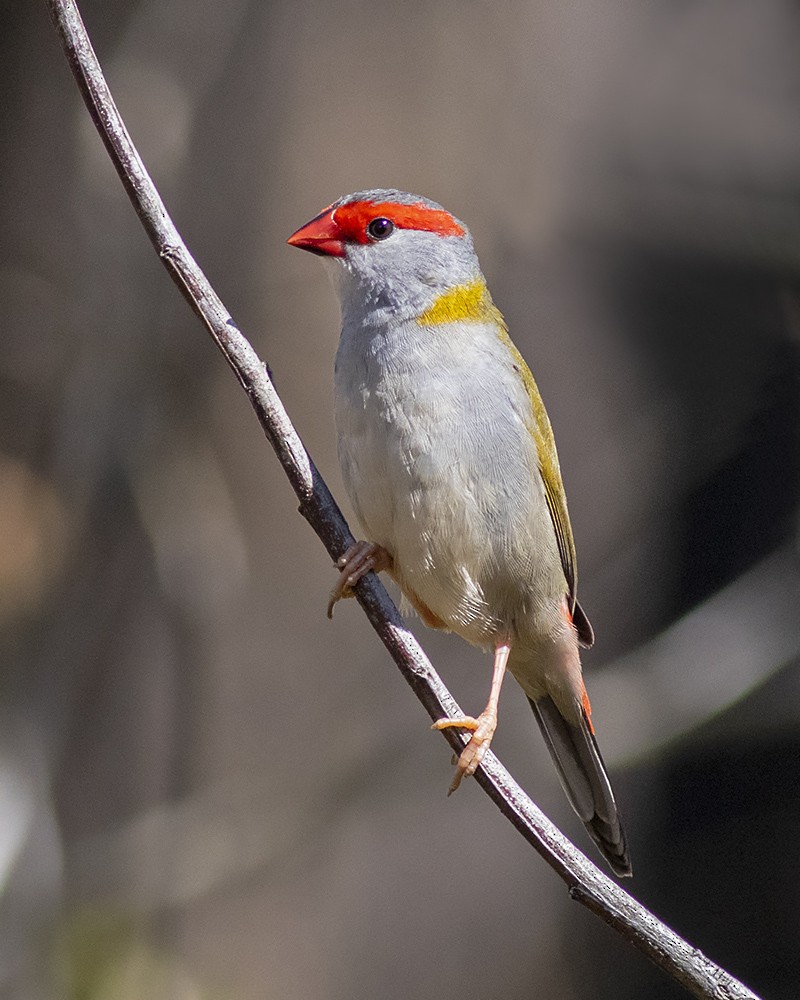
pixel 360 559
pixel 473 753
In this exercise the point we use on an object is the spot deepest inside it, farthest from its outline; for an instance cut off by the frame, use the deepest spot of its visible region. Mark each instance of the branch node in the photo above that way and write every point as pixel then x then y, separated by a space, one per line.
pixel 170 252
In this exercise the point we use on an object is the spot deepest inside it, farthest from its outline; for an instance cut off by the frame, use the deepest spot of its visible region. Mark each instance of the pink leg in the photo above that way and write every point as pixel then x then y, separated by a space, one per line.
pixel 483 727
pixel 360 559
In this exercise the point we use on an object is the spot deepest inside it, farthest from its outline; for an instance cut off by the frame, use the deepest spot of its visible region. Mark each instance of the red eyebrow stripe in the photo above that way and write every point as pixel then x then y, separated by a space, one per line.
pixel 354 217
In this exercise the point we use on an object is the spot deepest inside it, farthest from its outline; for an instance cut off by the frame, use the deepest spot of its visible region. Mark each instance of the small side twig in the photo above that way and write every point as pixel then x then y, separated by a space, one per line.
pixel 586 883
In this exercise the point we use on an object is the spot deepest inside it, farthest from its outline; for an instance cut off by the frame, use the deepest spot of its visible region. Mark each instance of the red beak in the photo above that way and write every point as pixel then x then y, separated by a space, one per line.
pixel 322 236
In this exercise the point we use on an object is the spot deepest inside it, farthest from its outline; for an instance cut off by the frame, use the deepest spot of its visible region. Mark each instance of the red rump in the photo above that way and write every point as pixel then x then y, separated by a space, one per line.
pixel 587 708
pixel 354 217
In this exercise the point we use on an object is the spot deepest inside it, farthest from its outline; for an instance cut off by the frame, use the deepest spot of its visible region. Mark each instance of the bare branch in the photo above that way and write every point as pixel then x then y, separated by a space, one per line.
pixel 586 883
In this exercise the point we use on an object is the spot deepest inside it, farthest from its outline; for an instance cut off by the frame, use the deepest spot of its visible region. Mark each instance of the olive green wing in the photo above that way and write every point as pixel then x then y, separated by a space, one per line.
pixel 553 490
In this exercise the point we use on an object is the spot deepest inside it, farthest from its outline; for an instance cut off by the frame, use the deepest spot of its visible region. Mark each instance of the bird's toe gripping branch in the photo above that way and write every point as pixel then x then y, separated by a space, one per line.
pixel 360 559
pixel 483 727
pixel 482 732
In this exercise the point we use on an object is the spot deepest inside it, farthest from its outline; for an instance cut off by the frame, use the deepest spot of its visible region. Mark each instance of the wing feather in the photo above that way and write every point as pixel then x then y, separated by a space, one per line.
pixel 553 487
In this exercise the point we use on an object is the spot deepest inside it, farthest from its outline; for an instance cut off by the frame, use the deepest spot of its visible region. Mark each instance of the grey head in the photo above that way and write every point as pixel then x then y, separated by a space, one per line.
pixel 391 254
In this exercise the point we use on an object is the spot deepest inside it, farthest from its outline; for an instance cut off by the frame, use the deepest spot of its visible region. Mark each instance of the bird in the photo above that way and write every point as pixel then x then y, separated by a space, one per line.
pixel 449 460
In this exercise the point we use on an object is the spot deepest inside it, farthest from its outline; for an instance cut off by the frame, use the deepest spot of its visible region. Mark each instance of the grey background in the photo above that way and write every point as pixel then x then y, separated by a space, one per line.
pixel 206 788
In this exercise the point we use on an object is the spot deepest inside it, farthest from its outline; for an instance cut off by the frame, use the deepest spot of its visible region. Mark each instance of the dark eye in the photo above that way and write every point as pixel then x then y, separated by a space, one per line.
pixel 379 229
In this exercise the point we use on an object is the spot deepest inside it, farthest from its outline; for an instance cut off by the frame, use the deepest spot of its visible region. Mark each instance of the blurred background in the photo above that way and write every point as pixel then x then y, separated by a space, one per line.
pixel 207 789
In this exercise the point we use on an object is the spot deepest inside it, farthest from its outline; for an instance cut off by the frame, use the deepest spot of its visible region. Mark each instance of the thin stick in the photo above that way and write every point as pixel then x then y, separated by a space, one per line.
pixel 586 883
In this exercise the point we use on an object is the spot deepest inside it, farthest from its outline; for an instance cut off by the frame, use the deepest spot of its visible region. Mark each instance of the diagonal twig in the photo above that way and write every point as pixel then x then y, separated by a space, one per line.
pixel 586 883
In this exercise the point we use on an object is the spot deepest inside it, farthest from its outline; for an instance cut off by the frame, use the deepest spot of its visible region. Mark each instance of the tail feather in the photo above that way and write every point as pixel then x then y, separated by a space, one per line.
pixel 577 758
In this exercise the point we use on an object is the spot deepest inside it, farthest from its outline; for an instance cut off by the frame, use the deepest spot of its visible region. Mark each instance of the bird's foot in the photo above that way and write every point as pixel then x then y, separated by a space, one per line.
pixel 358 560
pixel 473 753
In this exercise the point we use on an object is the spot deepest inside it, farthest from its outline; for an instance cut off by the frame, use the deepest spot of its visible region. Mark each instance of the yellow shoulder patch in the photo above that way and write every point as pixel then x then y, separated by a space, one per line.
pixel 464 302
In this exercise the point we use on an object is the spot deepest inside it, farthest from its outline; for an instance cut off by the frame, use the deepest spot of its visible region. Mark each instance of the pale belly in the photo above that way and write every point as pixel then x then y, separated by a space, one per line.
pixel 449 484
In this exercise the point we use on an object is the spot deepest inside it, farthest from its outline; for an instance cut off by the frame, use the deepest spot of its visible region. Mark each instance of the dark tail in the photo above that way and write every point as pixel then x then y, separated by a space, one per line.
pixel 576 756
